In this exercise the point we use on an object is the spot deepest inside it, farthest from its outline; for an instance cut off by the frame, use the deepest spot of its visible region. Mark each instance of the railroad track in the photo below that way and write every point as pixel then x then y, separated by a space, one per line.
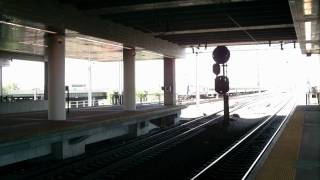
pixel 238 161
pixel 112 162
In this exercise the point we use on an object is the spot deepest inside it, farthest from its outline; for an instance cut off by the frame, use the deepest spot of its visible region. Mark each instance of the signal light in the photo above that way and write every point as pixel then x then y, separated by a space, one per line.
pixel 221 54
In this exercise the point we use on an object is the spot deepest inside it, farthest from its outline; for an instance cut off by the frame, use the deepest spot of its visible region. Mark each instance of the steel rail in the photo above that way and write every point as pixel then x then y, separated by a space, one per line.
pixel 268 144
pixel 179 137
pixel 146 152
pixel 238 143
pixel 147 141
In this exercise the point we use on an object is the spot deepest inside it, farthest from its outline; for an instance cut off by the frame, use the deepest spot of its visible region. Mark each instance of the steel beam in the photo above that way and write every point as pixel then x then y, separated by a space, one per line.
pixel 287 41
pixel 157 5
pixel 21 55
pixel 210 30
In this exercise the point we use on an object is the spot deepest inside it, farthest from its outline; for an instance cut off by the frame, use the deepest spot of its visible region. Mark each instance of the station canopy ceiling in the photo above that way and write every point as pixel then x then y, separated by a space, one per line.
pixel 30 41
pixel 182 22
pixel 190 22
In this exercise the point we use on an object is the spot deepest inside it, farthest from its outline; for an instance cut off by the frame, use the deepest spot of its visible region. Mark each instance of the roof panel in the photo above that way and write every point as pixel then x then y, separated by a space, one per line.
pixel 204 21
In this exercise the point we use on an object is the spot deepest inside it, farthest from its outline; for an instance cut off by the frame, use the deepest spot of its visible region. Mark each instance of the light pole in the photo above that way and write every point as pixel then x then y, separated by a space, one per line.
pixel 258 73
pixel 197 82
pixel 89 79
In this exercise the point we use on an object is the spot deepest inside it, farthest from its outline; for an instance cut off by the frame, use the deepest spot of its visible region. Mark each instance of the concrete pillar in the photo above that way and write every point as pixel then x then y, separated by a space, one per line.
pixel 1 91
pixel 63 150
pixel 169 81
pixel 56 77
pixel 129 85
pixel 45 92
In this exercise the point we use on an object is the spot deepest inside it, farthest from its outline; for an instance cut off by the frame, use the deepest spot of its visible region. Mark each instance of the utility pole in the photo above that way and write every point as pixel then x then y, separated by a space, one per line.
pixel 197 82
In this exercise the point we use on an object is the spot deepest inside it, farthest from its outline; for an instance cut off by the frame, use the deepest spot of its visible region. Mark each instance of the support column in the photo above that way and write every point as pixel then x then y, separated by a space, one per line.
pixel 129 85
pixel 1 91
pixel 56 77
pixel 45 92
pixel 169 81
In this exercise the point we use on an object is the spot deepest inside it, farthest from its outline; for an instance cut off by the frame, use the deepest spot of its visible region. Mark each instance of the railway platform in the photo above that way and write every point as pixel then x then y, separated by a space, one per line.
pixel 296 154
pixel 28 135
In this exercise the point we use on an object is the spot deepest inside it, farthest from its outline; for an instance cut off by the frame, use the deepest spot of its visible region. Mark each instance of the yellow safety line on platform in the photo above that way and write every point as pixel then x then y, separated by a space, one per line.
pixel 281 163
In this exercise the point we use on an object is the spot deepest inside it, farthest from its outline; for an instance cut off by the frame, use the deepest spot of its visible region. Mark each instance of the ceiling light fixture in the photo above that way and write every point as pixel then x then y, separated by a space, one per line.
pixel 152 53
pixel 101 42
pixel 27 27
pixel 33 44
pixel 307 7
pixel 307 28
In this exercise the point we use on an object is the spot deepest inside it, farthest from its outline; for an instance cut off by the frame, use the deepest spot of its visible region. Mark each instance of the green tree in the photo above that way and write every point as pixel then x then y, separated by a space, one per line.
pixel 8 88
pixel 140 94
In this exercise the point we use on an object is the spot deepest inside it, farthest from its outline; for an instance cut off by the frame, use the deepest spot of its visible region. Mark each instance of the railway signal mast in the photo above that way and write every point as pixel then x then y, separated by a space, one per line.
pixel 221 55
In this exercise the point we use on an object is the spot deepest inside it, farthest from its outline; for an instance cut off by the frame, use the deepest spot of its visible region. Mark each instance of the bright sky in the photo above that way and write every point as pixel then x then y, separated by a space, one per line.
pixel 108 76
pixel 273 67
pixel 26 74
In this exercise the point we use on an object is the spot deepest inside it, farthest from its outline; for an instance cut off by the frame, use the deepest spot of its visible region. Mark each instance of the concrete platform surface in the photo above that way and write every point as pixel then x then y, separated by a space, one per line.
pixel 28 135
pixel 296 155
pixel 23 125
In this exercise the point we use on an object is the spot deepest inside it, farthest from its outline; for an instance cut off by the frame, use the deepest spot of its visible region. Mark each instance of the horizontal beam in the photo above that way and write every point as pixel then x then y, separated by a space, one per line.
pixel 51 13
pixel 243 43
pixel 157 5
pixel 308 18
pixel 210 30
pixel 21 55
